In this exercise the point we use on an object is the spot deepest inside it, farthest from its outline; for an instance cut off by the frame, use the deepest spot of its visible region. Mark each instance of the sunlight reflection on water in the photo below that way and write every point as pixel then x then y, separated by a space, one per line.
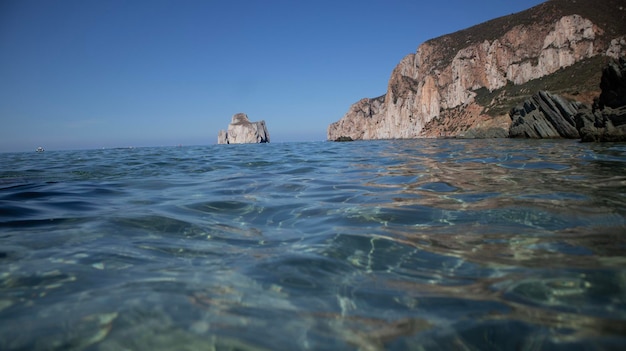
pixel 438 244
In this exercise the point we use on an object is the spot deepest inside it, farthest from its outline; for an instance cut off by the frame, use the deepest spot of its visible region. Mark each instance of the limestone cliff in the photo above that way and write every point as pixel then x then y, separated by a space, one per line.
pixel 469 80
pixel 242 131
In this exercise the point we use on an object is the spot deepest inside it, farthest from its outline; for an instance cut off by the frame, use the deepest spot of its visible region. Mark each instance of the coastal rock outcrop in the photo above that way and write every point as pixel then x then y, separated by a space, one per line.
pixel 613 85
pixel 606 125
pixel 459 82
pixel 607 120
pixel 242 131
pixel 545 115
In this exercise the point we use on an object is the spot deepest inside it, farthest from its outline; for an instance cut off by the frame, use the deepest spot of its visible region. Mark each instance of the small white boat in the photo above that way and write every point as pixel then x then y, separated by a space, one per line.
pixel 40 149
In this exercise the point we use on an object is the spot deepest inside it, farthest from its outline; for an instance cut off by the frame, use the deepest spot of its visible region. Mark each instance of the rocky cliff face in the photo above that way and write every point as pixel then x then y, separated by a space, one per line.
pixel 242 131
pixel 452 85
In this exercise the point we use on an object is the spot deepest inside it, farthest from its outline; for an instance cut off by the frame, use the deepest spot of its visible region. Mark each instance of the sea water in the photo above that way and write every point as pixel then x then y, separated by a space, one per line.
pixel 411 244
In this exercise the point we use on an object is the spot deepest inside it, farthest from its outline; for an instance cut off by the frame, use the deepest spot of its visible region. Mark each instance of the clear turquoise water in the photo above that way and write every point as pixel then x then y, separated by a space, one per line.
pixel 416 244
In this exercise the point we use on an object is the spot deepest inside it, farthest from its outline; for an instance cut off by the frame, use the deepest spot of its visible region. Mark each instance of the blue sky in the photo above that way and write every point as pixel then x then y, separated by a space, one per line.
pixel 106 73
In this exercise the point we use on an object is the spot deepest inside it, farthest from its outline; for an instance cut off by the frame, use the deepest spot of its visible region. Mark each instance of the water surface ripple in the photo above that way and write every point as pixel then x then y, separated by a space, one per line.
pixel 413 244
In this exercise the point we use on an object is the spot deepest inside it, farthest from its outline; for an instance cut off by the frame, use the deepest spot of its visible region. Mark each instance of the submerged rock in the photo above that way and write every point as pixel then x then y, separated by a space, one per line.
pixel 242 131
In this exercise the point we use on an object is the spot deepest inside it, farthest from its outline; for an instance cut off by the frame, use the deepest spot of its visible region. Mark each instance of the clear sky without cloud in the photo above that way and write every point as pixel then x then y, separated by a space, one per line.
pixel 113 73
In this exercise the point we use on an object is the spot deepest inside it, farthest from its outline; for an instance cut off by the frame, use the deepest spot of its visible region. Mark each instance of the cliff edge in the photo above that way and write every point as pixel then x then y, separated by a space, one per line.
pixel 465 83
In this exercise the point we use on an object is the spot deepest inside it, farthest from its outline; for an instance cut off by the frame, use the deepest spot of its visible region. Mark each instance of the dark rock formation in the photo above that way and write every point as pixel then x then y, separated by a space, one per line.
pixel 607 120
pixel 602 125
pixel 545 115
pixel 613 85
pixel 242 131
pixel 343 138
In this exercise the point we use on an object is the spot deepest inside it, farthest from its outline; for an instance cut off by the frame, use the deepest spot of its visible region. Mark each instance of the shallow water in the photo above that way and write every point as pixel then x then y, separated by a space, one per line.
pixel 432 244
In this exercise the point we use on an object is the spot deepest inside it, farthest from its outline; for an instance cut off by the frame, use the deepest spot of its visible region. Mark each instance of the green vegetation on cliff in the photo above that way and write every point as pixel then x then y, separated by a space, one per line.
pixel 580 80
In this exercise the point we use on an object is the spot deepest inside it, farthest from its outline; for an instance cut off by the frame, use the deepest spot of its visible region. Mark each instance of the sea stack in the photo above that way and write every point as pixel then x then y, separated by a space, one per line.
pixel 242 131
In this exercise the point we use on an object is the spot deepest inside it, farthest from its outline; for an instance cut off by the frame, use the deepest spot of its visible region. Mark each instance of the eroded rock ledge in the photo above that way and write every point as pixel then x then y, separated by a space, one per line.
pixel 545 116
